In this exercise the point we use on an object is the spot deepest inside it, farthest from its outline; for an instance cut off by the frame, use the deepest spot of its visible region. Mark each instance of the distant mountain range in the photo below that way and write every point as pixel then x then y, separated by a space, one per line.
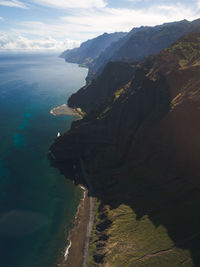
pixel 128 47
pixel 91 49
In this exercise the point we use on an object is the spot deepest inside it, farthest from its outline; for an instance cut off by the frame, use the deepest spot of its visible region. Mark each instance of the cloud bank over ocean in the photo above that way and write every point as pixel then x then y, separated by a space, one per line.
pixel 8 42
pixel 64 24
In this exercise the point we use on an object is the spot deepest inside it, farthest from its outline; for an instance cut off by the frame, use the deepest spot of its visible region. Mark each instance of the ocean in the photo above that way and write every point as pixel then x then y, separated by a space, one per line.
pixel 37 203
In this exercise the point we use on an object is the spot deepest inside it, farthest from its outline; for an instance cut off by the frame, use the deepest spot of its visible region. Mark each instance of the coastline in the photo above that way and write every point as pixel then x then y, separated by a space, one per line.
pixel 65 110
pixel 76 253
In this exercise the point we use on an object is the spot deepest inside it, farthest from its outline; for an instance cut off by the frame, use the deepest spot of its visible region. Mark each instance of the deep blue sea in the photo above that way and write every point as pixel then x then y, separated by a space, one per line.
pixel 37 203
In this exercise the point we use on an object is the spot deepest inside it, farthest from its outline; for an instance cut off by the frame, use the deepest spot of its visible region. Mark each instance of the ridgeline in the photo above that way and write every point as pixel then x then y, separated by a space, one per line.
pixel 140 140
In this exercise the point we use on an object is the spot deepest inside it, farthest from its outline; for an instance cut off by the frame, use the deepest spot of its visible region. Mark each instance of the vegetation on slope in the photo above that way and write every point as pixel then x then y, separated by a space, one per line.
pixel 142 42
pixel 143 220
pixel 102 90
pixel 188 50
pixel 134 46
pixel 142 151
pixel 148 210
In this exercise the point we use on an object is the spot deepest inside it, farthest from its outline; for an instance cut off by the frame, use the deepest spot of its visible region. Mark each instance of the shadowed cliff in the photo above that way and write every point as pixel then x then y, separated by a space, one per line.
pixel 140 141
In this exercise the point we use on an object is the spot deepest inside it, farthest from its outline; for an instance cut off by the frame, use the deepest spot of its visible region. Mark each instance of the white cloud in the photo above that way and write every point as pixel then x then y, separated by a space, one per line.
pixel 13 3
pixel 9 42
pixel 72 3
pixel 1 18
pixel 84 24
pixel 112 19
pixel 198 3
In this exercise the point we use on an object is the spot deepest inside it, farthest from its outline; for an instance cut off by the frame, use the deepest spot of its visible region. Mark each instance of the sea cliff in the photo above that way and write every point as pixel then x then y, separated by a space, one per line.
pixel 139 139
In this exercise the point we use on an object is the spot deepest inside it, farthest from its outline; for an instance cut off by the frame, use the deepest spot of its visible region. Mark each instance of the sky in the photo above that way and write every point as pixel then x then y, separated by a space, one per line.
pixel 64 24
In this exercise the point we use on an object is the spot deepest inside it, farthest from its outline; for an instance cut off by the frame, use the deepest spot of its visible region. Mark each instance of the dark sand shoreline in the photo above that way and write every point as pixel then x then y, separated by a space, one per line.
pixel 74 253
pixel 77 252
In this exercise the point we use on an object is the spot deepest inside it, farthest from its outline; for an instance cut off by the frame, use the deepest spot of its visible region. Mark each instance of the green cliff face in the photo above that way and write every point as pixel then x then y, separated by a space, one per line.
pixel 140 140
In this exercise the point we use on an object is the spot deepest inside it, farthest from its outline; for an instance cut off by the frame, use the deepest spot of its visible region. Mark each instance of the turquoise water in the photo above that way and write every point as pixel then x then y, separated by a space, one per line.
pixel 37 203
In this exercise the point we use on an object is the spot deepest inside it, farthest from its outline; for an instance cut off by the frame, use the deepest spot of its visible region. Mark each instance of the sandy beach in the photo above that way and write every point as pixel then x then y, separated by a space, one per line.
pixel 65 110
pixel 74 252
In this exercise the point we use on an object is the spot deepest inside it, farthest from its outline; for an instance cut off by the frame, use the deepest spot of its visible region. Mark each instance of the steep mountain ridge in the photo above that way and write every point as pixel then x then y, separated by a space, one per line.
pixel 141 146
pixel 132 47
pixel 140 43
pixel 100 62
pixel 143 42
pixel 91 49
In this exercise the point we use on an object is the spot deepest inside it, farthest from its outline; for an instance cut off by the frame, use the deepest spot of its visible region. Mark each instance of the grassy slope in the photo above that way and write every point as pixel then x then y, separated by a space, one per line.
pixel 150 223
pixel 146 216
pixel 144 219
